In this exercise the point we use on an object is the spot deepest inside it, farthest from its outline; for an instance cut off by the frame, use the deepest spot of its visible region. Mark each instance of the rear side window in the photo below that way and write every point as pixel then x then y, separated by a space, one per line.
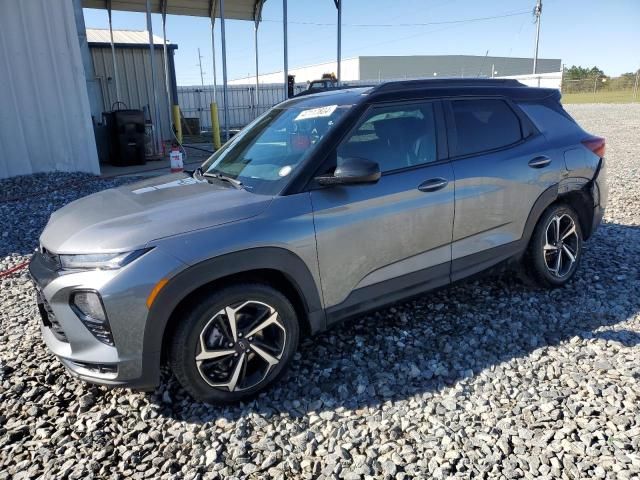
pixel 550 120
pixel 484 124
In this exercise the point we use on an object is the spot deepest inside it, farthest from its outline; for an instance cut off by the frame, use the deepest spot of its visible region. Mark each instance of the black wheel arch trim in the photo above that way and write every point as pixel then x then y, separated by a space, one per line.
pixel 199 275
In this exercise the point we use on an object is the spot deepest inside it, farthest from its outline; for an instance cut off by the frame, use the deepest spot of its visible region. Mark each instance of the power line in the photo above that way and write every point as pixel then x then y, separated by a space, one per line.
pixel 421 24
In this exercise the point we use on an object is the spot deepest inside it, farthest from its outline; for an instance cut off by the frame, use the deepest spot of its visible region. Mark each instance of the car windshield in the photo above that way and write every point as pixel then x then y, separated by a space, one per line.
pixel 265 153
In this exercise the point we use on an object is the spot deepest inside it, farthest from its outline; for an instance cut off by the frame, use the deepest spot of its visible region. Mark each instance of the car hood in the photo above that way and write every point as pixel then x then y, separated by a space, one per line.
pixel 130 216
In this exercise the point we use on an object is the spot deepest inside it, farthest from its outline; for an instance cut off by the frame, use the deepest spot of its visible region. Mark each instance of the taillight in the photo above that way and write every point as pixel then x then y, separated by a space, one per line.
pixel 596 145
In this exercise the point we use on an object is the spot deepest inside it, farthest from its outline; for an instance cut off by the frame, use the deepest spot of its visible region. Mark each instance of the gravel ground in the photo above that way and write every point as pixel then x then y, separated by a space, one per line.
pixel 487 379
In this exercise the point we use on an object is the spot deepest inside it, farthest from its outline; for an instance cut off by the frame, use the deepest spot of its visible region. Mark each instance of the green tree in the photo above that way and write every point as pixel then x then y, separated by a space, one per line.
pixel 580 73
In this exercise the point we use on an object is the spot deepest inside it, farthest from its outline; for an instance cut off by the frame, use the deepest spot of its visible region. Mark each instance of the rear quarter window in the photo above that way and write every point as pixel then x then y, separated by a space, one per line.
pixel 549 120
pixel 484 124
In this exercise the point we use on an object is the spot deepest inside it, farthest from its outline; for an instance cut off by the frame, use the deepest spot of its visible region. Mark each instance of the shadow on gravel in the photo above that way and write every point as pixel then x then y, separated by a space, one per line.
pixel 27 201
pixel 422 346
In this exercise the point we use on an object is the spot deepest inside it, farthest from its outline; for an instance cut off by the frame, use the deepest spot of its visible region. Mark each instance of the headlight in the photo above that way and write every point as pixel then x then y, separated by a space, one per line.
pixel 99 261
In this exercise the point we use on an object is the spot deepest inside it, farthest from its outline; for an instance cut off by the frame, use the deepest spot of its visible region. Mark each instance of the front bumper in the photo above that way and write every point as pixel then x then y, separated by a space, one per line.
pixel 124 293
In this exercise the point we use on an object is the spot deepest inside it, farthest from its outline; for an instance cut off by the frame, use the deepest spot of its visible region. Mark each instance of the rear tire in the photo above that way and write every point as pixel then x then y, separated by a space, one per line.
pixel 555 248
pixel 235 343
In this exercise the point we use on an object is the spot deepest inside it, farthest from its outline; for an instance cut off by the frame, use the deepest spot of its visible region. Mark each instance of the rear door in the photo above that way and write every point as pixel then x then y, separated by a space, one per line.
pixel 392 237
pixel 501 166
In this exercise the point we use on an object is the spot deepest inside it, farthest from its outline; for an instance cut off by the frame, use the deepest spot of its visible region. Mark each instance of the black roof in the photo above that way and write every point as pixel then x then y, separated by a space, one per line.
pixel 456 87
pixel 427 88
pixel 335 96
pixel 447 82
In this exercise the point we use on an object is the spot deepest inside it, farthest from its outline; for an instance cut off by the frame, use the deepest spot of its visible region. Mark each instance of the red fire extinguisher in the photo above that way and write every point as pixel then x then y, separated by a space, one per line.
pixel 176 159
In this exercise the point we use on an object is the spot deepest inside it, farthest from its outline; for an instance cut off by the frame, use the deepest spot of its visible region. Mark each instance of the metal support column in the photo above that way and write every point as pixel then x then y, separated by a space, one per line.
pixel 212 7
pixel 156 115
pixel 113 53
pixel 339 59
pixel 224 72
pixel 215 121
pixel 257 16
pixel 165 61
pixel 257 93
pixel 286 48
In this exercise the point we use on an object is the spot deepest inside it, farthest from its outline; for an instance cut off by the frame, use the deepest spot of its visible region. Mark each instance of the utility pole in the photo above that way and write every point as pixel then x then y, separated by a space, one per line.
pixel 201 72
pixel 537 12
pixel 339 56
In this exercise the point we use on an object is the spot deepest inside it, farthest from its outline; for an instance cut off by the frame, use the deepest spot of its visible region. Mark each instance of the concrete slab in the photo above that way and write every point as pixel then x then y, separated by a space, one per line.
pixel 158 167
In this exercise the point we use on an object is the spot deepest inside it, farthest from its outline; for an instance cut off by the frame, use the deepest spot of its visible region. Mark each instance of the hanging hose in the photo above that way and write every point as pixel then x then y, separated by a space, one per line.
pixel 11 270
pixel 200 149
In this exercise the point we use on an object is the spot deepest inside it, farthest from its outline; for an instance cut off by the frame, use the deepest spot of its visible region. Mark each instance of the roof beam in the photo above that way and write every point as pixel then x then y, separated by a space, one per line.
pixel 234 9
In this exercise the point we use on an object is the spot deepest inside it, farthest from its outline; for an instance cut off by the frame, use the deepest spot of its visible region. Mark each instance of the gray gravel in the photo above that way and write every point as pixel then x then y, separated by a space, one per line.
pixel 488 379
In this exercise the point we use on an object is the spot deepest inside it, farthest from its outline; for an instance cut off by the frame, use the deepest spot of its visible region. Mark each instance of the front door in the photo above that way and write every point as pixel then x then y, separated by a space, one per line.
pixel 380 242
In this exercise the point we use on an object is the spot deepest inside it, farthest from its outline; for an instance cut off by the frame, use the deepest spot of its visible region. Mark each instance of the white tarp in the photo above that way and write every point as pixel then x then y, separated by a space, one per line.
pixel 45 119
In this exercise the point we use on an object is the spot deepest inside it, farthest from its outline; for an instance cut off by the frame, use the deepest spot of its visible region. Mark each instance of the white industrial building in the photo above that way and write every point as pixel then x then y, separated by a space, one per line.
pixel 395 67
pixel 58 78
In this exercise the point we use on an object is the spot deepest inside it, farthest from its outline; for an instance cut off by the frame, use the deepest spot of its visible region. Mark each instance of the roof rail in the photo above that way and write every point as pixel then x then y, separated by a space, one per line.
pixel 446 82
pixel 344 86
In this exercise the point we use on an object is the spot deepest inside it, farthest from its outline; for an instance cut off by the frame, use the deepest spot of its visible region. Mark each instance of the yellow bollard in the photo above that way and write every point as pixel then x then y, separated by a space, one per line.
pixel 215 126
pixel 177 122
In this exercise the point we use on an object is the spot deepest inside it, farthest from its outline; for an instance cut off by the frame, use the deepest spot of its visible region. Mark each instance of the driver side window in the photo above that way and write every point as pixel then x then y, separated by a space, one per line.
pixel 395 137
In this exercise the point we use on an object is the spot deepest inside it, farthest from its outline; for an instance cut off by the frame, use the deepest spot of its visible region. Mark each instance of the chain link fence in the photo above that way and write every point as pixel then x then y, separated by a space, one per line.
pixel 601 89
pixel 244 106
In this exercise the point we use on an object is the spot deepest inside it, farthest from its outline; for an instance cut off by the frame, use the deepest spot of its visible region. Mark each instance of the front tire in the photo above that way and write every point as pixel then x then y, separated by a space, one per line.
pixel 235 343
pixel 555 248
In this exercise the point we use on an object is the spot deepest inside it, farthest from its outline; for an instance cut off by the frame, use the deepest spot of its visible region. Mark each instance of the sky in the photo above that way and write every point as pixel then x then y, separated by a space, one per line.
pixel 604 33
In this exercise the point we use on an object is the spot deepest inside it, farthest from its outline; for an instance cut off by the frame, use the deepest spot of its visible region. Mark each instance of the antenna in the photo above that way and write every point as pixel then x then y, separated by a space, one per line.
pixel 537 12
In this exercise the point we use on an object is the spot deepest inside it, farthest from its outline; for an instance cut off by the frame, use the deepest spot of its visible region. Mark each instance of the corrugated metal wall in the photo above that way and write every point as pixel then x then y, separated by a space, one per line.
pixel 397 67
pixel 45 119
pixel 134 69
pixel 195 102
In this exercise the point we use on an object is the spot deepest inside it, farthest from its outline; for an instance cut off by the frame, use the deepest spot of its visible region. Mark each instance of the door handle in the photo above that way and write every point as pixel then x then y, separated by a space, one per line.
pixel 433 184
pixel 539 162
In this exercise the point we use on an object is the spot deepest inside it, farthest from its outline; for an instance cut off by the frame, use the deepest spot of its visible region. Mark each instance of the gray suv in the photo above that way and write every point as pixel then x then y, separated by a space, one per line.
pixel 326 206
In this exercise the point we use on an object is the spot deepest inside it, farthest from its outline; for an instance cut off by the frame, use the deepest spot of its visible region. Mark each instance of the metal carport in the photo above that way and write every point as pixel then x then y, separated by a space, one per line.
pixel 250 10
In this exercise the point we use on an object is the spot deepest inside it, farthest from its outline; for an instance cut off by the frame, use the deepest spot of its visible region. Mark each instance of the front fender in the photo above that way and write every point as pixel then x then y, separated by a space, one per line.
pixel 196 276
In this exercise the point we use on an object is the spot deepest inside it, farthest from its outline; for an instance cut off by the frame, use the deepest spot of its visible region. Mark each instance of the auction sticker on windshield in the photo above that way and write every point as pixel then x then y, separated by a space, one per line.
pixel 316 112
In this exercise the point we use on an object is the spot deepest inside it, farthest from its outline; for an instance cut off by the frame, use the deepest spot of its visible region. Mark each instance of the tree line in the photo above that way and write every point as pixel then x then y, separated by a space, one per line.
pixel 580 79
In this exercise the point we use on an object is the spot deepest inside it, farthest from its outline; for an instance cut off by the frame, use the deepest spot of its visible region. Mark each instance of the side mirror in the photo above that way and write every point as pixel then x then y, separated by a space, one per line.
pixel 352 170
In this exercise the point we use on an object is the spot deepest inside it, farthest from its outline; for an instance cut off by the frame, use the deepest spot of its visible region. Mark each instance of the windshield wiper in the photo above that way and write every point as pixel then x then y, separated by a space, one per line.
pixel 219 176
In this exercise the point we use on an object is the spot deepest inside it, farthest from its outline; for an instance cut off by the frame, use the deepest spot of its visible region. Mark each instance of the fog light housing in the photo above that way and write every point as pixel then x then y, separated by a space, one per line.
pixel 88 306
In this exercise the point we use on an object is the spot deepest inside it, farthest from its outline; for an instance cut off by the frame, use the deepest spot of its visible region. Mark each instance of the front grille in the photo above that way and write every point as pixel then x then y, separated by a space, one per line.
pixel 48 318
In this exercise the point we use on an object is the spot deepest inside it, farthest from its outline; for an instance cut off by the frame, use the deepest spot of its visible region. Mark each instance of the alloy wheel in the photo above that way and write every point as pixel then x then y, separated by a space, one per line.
pixel 240 345
pixel 561 245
